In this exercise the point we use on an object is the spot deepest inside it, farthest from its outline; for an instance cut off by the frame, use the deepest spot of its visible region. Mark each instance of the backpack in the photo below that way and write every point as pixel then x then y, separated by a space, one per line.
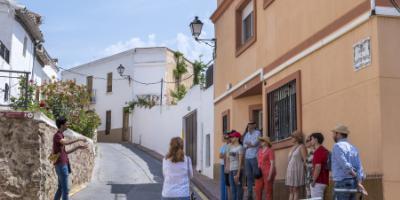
pixel 328 165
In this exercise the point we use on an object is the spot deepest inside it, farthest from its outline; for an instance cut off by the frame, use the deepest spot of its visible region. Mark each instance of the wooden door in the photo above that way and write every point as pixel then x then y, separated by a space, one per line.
pixel 125 126
pixel 190 130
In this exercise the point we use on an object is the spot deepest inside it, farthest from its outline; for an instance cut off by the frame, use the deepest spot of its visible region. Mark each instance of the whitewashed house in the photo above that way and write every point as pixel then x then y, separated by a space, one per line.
pixel 21 50
pixel 146 67
pixel 192 119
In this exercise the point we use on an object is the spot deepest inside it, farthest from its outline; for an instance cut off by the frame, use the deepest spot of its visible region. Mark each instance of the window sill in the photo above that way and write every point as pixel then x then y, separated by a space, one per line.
pixel 282 144
pixel 245 46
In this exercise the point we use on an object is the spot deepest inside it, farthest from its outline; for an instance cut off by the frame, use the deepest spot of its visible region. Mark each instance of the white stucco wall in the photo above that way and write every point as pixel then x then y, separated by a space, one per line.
pixel 145 65
pixel 12 34
pixel 153 128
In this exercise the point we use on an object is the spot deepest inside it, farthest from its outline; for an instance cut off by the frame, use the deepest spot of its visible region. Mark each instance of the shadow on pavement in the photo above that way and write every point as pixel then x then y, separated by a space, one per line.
pixel 137 191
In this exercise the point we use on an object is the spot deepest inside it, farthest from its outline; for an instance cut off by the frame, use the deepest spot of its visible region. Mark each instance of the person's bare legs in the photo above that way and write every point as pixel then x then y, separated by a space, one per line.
pixel 295 193
pixel 290 193
pixel 229 192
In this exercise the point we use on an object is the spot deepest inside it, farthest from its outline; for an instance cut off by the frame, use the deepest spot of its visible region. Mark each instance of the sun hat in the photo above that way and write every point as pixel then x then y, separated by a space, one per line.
pixel 265 139
pixel 341 129
pixel 235 134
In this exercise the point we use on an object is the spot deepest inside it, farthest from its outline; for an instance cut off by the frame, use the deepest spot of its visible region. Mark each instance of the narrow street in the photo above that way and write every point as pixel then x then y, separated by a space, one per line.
pixel 123 172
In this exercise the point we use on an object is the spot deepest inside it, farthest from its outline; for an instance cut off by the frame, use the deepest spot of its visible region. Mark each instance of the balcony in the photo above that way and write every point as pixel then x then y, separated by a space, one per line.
pixel 92 94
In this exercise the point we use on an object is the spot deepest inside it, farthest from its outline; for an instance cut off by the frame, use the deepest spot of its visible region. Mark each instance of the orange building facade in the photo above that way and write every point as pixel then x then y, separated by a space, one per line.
pixel 309 65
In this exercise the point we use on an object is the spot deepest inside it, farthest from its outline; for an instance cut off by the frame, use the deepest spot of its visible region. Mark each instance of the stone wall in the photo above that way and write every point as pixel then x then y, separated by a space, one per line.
pixel 25 144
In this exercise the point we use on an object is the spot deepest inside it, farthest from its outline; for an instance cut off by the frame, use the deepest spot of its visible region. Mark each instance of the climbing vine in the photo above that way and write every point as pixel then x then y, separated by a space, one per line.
pixel 142 101
pixel 179 71
pixel 198 73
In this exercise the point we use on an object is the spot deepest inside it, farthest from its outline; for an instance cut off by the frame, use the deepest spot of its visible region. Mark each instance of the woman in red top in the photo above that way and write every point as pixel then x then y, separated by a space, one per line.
pixel 266 162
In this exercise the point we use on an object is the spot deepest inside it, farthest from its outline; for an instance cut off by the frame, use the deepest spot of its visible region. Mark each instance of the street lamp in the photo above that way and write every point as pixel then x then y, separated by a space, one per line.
pixel 121 70
pixel 196 26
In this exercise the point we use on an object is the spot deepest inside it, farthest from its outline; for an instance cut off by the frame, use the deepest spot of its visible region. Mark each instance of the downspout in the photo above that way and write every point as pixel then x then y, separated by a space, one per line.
pixel 373 5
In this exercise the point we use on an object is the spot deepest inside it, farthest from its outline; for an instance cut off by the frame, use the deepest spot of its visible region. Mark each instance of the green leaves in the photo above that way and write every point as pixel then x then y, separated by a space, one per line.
pixel 62 98
pixel 142 101
pixel 198 73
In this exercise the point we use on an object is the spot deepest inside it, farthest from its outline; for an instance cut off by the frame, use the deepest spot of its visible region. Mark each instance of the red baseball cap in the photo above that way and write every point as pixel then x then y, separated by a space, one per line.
pixel 235 134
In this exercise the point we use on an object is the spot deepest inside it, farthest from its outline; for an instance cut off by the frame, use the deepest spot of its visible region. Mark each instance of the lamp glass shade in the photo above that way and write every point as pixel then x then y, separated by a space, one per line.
pixel 121 69
pixel 195 26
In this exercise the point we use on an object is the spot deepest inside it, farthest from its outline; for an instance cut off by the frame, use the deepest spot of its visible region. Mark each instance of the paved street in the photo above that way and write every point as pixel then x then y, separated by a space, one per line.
pixel 123 172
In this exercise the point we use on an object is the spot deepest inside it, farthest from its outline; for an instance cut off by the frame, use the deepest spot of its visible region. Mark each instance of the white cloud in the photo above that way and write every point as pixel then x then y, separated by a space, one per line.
pixel 130 44
pixel 183 43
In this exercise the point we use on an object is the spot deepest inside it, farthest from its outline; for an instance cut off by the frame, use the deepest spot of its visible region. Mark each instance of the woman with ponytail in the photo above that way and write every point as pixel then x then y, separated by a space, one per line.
pixel 177 171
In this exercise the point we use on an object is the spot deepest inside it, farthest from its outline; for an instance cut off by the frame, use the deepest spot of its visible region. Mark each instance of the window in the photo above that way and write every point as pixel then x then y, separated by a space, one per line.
pixel 108 122
pixel 4 52
pixel 89 83
pixel 208 151
pixel 225 121
pixel 6 92
pixel 109 82
pixel 25 46
pixel 283 109
pixel 245 25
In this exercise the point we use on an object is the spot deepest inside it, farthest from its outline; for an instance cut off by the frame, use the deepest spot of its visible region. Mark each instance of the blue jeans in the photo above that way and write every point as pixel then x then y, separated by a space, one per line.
pixel 62 174
pixel 345 184
pixel 222 183
pixel 236 189
pixel 251 166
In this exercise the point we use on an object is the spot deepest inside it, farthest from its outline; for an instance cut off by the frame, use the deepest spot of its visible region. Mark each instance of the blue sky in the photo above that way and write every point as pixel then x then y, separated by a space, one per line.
pixel 78 31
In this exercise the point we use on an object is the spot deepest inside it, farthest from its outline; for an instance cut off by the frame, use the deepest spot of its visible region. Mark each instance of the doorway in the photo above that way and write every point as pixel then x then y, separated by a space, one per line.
pixel 125 126
pixel 190 136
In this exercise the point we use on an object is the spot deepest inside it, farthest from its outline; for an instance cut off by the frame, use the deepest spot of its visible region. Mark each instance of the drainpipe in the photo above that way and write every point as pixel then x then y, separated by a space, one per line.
pixel 373 5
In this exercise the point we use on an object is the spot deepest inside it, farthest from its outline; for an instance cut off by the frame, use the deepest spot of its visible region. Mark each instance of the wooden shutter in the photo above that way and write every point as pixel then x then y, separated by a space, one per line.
pixel 109 82
pixel 89 83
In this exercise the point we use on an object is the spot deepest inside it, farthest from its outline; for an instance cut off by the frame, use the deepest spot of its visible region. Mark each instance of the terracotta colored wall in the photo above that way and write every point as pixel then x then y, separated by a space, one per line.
pixel 389 52
pixel 280 27
pixel 332 92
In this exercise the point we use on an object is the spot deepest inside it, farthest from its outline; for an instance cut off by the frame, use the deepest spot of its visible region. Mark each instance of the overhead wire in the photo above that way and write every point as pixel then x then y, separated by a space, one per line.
pixel 134 80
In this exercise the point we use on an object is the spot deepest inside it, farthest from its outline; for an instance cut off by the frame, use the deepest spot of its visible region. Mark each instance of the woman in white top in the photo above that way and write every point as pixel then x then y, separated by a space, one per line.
pixel 177 171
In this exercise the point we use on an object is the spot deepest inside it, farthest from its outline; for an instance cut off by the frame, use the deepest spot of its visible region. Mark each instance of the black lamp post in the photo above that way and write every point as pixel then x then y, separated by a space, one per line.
pixel 196 26
pixel 121 70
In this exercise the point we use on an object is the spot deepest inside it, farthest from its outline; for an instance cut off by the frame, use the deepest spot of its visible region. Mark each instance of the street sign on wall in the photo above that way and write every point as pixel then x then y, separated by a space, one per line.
pixel 362 54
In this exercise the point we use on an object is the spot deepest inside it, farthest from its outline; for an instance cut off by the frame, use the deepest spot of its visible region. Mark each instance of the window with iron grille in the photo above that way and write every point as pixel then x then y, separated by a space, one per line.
pixel 108 122
pixel 6 92
pixel 282 111
pixel 109 82
pixel 4 52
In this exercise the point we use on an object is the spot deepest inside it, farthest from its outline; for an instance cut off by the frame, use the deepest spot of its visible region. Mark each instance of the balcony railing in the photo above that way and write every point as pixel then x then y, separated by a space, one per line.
pixel 92 94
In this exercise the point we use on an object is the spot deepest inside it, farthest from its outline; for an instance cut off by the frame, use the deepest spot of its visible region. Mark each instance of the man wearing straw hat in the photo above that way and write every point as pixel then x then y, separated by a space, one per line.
pixel 347 171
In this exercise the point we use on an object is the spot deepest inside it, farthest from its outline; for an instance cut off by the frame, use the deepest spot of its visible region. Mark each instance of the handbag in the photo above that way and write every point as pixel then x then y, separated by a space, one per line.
pixel 192 197
pixel 53 158
pixel 257 173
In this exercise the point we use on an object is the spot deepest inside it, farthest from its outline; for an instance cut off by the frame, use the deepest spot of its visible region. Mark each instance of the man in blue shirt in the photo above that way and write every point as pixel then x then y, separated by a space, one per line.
pixel 347 171
pixel 250 143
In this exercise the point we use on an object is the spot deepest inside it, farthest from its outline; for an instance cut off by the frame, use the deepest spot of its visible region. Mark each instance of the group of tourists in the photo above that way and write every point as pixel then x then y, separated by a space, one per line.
pixel 251 158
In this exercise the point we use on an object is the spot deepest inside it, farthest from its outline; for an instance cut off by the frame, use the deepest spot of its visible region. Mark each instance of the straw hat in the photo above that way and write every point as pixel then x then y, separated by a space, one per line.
pixel 341 129
pixel 264 139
